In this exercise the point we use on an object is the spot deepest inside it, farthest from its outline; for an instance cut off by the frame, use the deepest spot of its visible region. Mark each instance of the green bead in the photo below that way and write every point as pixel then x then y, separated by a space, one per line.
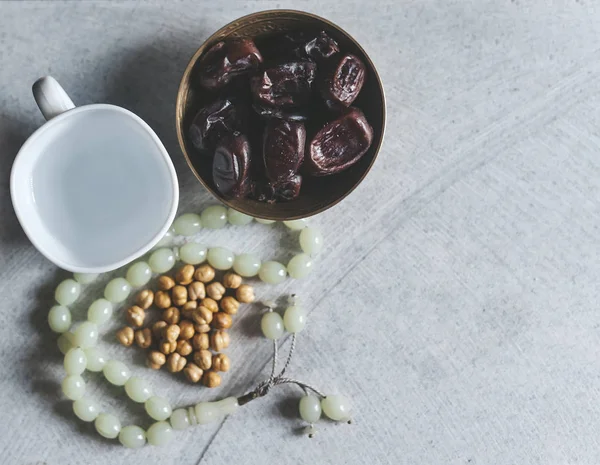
pixel 59 319
pixel 220 258
pixel 132 437
pixel 96 359
pixel 86 335
pixel 166 240
pixel 272 272
pixel 294 319
pixel 159 434
pixel 228 406
pixel 85 278
pixel 117 290
pixel 179 419
pixel 296 225
pixel 246 265
pixel 310 408
pixel 336 407
pixel 207 412
pixel 139 274
pixel 116 372
pixel 237 218
pixel 86 409
pixel 100 311
pixel 158 408
pixel 261 221
pixel 214 217
pixel 75 361
pixel 73 387
pixel 138 389
pixel 161 260
pixel 192 253
pixel 107 425
pixel 311 241
pixel 299 266
pixel 187 224
pixel 67 292
pixel 66 342
pixel 192 415
pixel 271 325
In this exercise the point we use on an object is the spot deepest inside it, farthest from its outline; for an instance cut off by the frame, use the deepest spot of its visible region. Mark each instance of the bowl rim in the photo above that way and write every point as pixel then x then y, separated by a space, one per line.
pixel 179 110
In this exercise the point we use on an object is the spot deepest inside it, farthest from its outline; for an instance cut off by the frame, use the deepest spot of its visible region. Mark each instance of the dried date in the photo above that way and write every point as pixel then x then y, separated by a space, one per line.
pixel 342 81
pixel 231 166
pixel 286 85
pixel 225 60
pixel 263 157
pixel 339 144
pixel 279 191
pixel 321 47
pixel 213 122
pixel 283 149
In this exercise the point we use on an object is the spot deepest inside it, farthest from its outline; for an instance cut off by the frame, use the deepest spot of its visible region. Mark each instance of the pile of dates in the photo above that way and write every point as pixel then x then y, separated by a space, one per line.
pixel 279 110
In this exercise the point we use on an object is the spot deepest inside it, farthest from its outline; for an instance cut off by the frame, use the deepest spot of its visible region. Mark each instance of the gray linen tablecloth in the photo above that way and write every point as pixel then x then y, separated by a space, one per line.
pixel 456 301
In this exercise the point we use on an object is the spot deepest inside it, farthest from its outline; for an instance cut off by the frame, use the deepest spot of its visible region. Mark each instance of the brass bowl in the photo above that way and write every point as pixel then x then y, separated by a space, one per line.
pixel 317 194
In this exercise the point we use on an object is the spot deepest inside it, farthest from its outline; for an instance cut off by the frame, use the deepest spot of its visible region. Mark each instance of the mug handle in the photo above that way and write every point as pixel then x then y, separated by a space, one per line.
pixel 51 97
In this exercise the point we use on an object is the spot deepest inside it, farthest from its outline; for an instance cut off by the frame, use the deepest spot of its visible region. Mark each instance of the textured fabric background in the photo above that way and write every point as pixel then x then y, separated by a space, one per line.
pixel 456 301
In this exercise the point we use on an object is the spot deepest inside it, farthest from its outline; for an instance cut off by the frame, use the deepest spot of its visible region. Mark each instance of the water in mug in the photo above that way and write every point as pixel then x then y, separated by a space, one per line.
pixel 99 187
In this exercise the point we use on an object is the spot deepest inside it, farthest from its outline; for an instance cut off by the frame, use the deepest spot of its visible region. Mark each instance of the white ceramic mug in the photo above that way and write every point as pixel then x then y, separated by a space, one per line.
pixel 93 188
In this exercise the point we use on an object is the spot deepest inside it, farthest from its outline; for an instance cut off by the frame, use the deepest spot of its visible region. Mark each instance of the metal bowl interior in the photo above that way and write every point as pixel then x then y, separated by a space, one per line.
pixel 318 193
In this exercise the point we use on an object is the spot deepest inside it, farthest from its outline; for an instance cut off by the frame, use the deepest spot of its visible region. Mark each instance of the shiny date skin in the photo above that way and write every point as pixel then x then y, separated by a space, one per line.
pixel 225 60
pixel 283 149
pixel 286 85
pixel 342 80
pixel 213 122
pixel 231 166
pixel 295 82
pixel 321 47
pixel 339 144
pixel 279 191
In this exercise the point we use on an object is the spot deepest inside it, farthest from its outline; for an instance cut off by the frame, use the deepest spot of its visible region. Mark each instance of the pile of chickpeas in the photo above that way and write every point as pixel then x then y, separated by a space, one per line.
pixel 191 333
